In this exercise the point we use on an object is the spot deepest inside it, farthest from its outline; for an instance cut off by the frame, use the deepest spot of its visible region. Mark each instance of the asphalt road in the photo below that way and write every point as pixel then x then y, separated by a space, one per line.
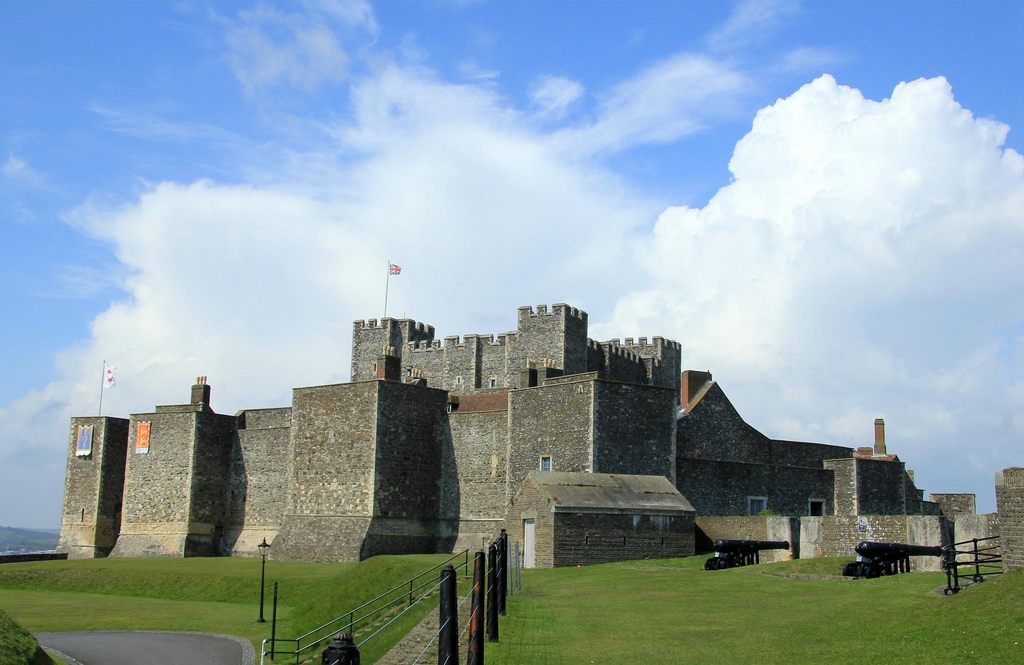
pixel 148 648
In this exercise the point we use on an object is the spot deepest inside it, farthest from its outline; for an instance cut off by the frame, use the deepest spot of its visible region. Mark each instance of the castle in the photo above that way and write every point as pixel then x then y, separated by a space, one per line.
pixel 428 446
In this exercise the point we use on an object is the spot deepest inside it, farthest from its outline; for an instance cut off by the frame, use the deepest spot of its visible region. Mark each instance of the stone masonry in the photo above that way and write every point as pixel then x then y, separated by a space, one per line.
pixel 427 445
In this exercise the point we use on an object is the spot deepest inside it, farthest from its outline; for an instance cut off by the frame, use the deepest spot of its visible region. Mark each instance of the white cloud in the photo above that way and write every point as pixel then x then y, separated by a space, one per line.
pixel 256 287
pixel 864 262
pixel 554 95
pixel 749 22
pixel 18 170
pixel 270 47
pixel 664 102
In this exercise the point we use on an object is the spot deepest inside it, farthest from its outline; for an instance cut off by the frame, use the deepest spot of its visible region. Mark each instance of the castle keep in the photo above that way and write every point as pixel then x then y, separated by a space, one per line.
pixel 434 444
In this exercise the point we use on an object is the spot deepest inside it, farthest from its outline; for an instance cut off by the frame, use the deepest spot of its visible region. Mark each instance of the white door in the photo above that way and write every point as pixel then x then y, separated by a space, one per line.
pixel 528 543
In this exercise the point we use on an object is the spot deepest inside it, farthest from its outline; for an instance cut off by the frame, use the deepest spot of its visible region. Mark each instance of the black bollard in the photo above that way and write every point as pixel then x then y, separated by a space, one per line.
pixel 502 571
pixel 448 639
pixel 492 593
pixel 475 648
pixel 342 650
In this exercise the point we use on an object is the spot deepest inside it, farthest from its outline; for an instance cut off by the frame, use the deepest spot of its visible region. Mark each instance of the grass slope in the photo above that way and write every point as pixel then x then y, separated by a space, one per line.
pixel 670 612
pixel 219 595
pixel 17 646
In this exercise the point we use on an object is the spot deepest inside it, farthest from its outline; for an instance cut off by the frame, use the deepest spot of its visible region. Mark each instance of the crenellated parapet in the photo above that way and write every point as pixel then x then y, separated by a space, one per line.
pixel 558 310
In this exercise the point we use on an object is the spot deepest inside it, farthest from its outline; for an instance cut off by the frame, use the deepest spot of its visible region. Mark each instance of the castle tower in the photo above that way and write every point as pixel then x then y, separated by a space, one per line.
pixel 93 486
pixel 175 479
pixel 369 337
pixel 554 338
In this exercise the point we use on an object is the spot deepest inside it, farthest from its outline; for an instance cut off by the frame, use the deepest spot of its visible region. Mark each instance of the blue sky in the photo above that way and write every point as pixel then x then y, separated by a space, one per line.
pixel 211 188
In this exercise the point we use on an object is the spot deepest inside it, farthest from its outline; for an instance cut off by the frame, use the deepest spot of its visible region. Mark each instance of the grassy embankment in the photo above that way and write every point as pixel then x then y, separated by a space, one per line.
pixel 219 595
pixel 671 612
pixel 18 647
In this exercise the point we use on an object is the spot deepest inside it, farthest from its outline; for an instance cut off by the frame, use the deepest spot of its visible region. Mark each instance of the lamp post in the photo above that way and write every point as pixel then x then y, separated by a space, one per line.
pixel 263 548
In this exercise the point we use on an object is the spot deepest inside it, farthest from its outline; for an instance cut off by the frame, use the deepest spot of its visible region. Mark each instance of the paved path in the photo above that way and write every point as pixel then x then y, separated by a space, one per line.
pixel 149 648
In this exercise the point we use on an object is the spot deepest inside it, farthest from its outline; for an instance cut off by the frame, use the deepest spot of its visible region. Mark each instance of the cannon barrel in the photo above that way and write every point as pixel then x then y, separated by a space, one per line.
pixel 874 550
pixel 722 545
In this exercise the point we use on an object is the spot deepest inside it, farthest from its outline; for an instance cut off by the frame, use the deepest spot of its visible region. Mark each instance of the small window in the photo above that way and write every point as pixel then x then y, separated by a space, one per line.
pixel 815 507
pixel 494 382
pixel 545 462
pixel 458 382
pixel 756 505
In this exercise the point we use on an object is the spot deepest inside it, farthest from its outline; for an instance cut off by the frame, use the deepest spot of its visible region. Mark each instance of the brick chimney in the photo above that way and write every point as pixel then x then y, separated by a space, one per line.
pixel 879 437
pixel 201 391
pixel 389 366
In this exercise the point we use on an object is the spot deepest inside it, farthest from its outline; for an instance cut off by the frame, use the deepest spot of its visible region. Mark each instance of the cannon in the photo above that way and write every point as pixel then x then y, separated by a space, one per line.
pixel 733 553
pixel 877 559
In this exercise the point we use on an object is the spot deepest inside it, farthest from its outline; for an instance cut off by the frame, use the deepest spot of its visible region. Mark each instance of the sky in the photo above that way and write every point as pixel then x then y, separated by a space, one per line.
pixel 822 202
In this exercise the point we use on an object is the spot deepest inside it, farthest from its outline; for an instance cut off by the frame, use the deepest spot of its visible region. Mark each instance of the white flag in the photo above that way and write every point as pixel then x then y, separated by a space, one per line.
pixel 108 376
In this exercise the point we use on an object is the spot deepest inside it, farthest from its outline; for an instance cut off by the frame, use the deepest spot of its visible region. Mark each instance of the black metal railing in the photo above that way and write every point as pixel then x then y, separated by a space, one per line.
pixel 981 562
pixel 407 594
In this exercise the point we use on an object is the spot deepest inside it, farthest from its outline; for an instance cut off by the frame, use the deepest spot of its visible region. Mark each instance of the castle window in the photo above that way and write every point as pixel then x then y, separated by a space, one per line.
pixel 545 462
pixel 494 382
pixel 756 505
pixel 815 507
pixel 458 382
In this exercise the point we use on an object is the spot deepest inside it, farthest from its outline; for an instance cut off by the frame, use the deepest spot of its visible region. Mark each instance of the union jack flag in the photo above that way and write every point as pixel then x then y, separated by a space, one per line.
pixel 394 270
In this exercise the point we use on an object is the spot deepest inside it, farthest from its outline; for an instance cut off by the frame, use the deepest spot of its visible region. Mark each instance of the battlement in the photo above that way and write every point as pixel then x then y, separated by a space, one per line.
pixel 656 345
pixel 455 341
pixel 615 348
pixel 416 329
pixel 558 309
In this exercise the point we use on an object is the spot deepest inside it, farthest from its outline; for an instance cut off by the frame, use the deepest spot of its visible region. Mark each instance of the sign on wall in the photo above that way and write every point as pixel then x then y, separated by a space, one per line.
pixel 84 446
pixel 142 429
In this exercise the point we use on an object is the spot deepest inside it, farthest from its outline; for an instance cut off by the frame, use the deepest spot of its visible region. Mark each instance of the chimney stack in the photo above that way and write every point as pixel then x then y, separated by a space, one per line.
pixel 879 436
pixel 201 391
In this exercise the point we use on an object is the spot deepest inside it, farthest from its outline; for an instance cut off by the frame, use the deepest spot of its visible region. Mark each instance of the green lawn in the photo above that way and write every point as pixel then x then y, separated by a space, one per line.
pixel 671 612
pixel 219 595
pixel 652 612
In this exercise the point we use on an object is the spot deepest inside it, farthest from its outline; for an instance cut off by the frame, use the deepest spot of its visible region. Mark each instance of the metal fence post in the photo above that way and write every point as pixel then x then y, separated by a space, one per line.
pixel 502 571
pixel 475 646
pixel 448 640
pixel 273 625
pixel 492 593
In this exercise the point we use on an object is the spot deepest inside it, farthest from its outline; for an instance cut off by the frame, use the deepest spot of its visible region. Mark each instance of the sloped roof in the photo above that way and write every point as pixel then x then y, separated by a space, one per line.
pixel 609 493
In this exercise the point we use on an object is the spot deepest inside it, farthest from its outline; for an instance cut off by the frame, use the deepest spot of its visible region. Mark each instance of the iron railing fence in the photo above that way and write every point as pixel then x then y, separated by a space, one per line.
pixel 985 561
pixel 408 593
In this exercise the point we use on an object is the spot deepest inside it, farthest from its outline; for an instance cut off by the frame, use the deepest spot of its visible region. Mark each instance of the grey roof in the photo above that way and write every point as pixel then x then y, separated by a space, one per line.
pixel 610 492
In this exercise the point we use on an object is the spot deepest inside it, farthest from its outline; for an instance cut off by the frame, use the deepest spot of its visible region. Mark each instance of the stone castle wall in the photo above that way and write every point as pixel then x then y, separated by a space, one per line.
pixel 330 472
pixel 837 535
pixel 93 488
pixel 556 420
pixel 723 488
pixel 634 429
pixel 480 445
pixel 257 491
pixel 1010 505
pixel 710 529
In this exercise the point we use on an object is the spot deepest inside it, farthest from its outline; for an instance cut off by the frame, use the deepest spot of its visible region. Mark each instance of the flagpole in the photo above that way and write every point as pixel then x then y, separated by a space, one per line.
pixel 103 376
pixel 387 283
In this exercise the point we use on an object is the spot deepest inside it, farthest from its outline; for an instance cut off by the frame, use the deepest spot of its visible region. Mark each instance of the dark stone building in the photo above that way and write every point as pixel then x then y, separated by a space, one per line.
pixel 427 446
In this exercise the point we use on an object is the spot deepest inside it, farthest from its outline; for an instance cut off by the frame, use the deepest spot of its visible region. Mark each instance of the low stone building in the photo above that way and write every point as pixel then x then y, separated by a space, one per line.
pixel 569 519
